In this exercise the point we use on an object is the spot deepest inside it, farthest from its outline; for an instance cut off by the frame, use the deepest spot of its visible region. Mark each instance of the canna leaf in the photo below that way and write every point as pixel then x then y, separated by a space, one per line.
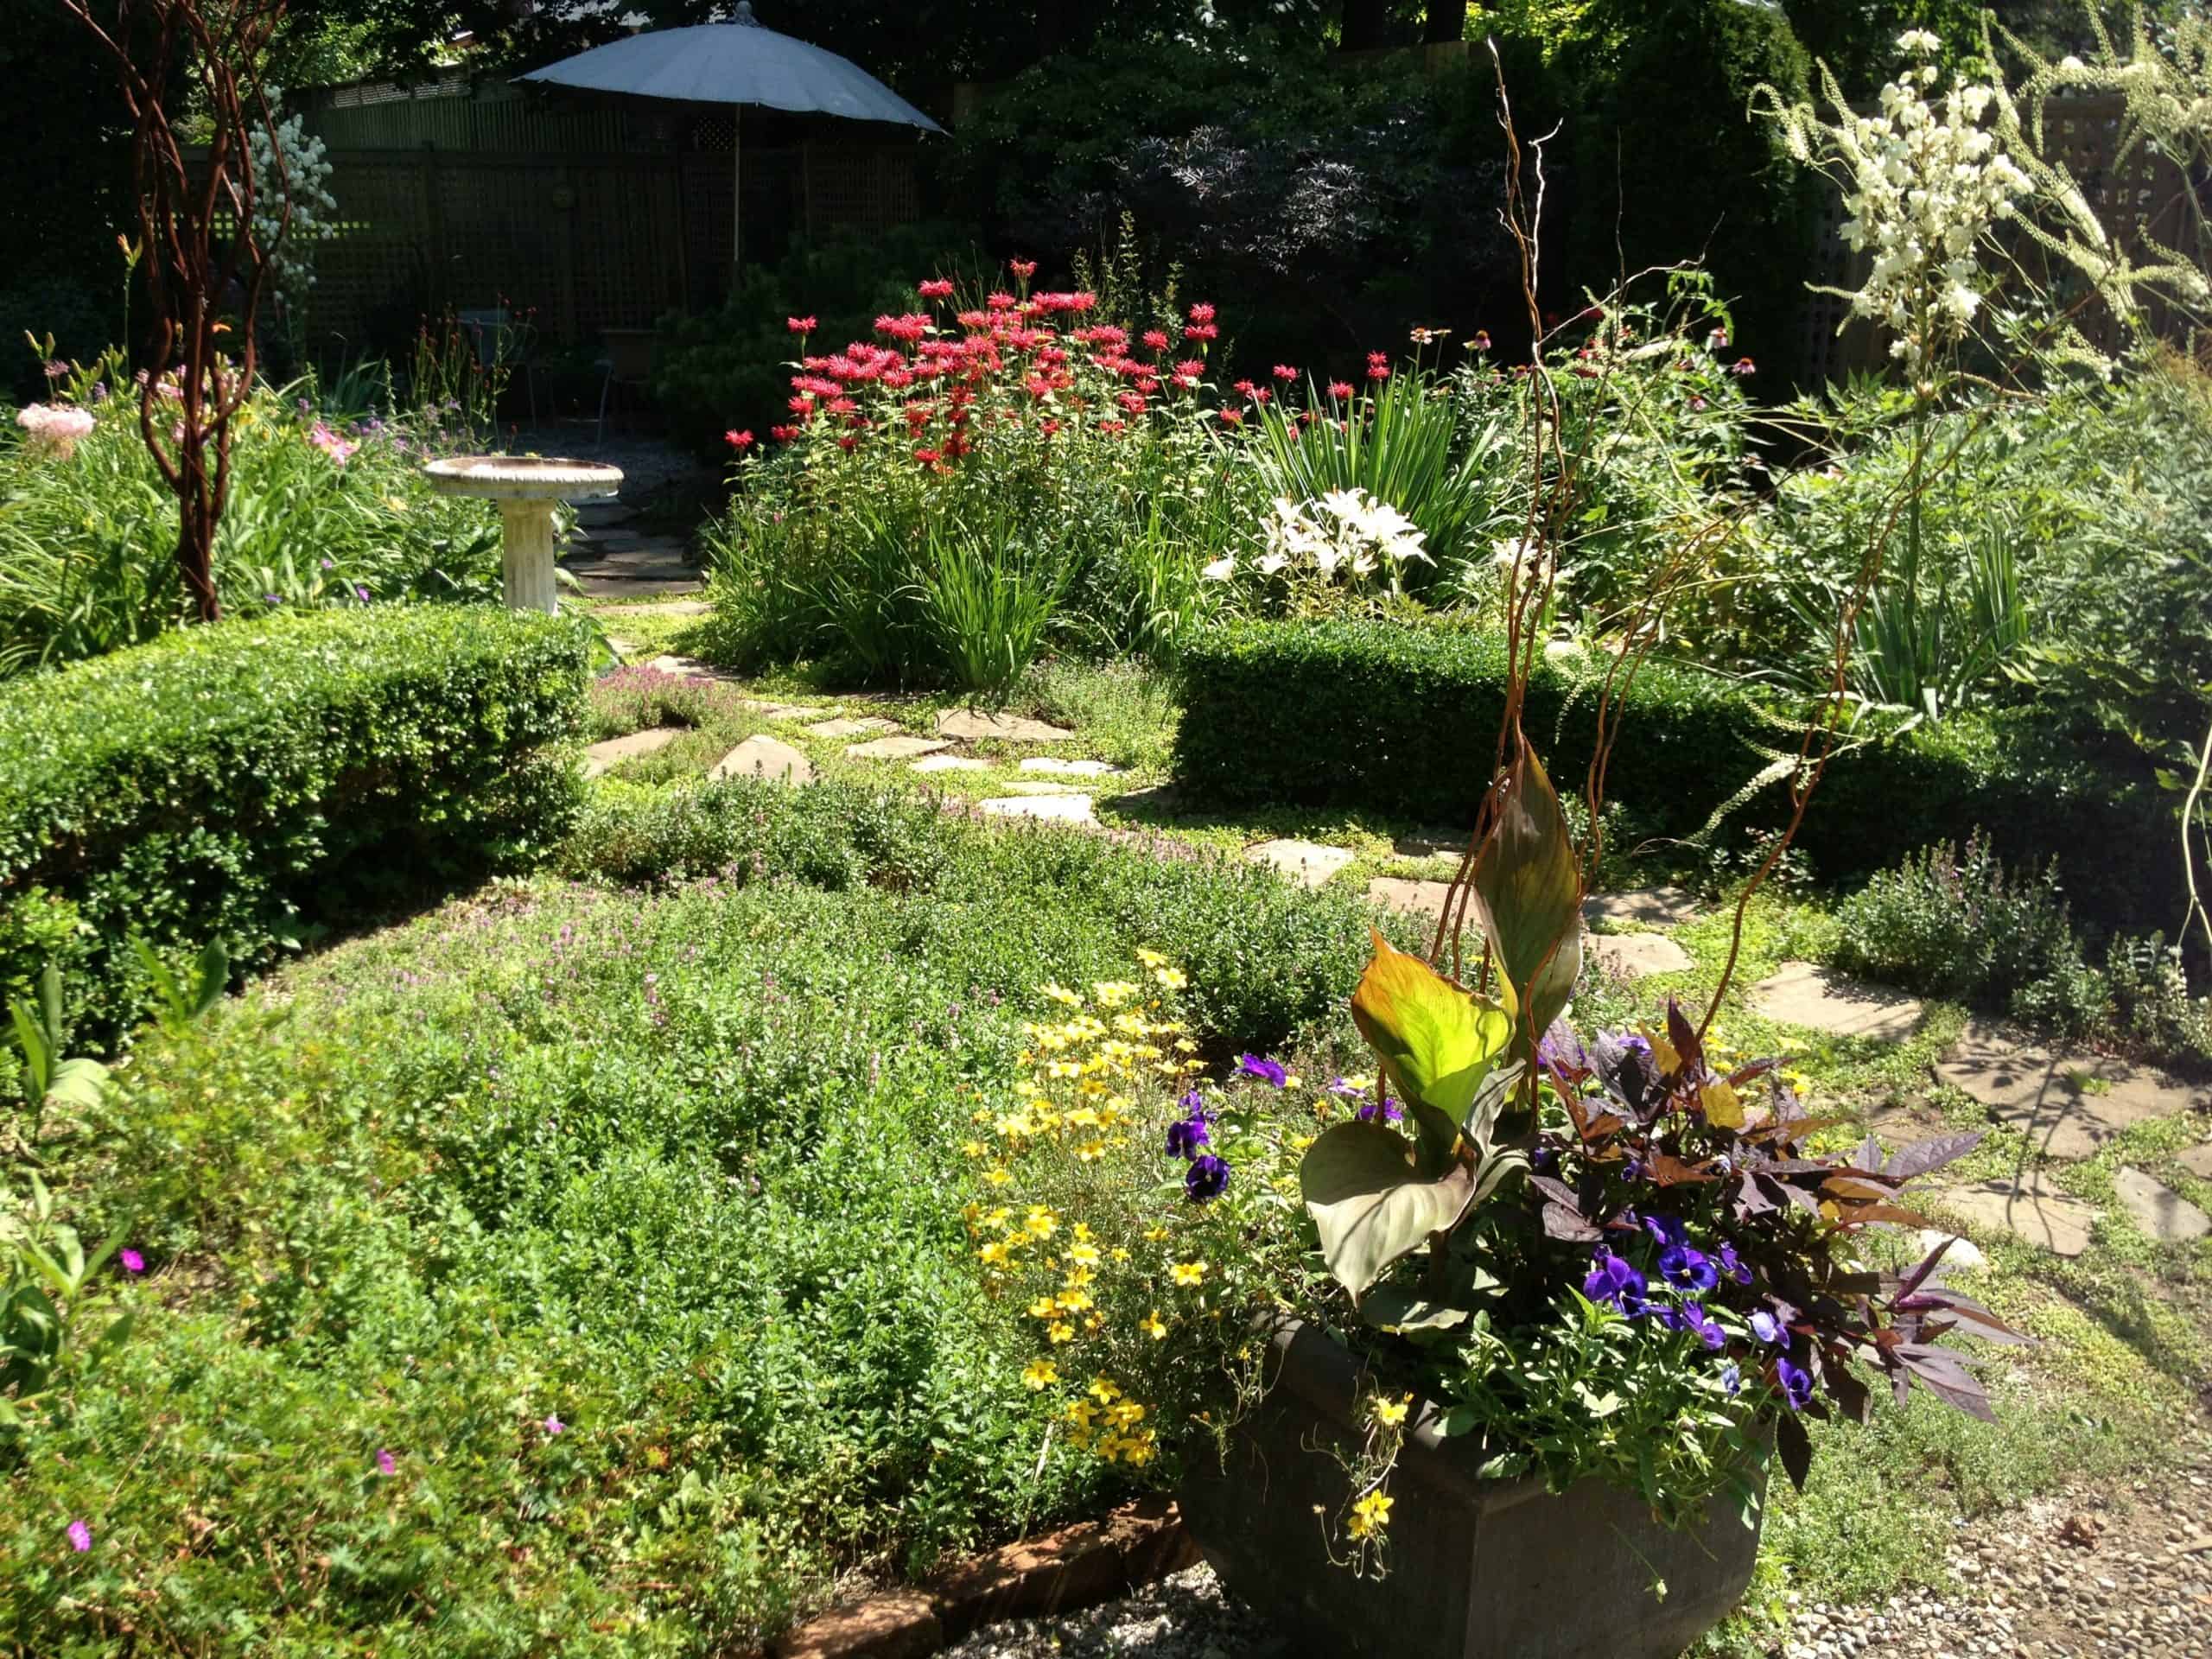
pixel 1438 1042
pixel 1371 1205
pixel 1527 895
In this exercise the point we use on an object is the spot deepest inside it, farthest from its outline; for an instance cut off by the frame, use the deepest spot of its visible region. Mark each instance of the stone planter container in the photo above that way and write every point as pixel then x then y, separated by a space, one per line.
pixel 1478 1568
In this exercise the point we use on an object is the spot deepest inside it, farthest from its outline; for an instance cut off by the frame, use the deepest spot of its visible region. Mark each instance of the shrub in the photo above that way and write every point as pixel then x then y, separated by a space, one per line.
pixel 1954 922
pixel 1365 690
pixel 240 781
pixel 319 515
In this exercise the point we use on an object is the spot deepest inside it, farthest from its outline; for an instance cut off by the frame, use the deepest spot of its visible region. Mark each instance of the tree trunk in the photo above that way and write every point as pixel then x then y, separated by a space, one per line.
pixel 1447 21
pixel 195 545
pixel 1364 24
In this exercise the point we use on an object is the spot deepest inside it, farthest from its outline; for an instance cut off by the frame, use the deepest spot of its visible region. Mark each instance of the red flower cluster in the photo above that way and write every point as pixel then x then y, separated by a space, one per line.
pixel 801 325
pixel 739 441
pixel 938 287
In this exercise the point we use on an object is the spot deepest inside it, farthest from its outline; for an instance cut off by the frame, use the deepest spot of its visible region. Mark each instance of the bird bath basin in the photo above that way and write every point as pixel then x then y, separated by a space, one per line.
pixel 527 488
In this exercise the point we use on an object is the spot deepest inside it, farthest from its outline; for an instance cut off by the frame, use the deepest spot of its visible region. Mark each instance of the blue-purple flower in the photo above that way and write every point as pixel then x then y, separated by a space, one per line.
pixel 1207 1178
pixel 1614 1281
pixel 1692 1318
pixel 1796 1383
pixel 1731 1266
pixel 1267 1071
pixel 1766 1327
pixel 1688 1269
pixel 1666 1230
pixel 1187 1136
pixel 1731 1377
pixel 1391 1112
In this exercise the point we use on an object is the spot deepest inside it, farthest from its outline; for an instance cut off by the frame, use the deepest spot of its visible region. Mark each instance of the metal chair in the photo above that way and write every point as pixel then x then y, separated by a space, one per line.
pixel 628 361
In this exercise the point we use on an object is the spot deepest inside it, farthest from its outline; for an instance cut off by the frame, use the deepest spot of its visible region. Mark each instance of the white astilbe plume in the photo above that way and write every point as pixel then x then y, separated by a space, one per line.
pixel 289 242
pixel 1924 181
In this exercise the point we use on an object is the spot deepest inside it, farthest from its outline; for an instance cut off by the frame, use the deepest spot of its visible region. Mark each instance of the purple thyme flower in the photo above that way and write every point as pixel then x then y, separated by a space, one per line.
pixel 1688 1269
pixel 1206 1178
pixel 1766 1327
pixel 386 1463
pixel 553 1425
pixel 132 1262
pixel 1266 1071
pixel 1796 1384
pixel 1614 1281
pixel 80 1537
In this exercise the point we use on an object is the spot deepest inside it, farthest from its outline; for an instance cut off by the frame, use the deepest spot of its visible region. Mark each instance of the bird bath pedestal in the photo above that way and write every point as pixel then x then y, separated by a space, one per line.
pixel 527 489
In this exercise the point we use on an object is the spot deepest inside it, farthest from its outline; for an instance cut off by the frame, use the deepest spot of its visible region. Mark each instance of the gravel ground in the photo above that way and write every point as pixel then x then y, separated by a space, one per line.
pixel 2121 1571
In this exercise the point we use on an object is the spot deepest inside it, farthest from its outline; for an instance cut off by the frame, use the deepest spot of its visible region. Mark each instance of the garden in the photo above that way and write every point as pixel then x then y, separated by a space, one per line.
pixel 1556 977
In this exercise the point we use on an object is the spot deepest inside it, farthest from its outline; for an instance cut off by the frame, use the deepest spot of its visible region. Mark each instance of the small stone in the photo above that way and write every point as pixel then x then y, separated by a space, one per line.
pixel 2068 1106
pixel 2197 1160
pixel 851 728
pixel 1410 898
pixel 2157 1210
pixel 1801 994
pixel 952 763
pixel 686 668
pixel 1963 1253
pixel 1631 956
pixel 1063 809
pixel 602 757
pixel 2031 1207
pixel 973 724
pixel 760 756
pixel 1068 768
pixel 896 1625
pixel 1432 843
pixel 1306 862
pixel 1650 906
pixel 896 749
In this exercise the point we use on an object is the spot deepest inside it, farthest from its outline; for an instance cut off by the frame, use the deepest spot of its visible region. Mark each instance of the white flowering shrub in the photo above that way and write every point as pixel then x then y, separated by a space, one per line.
pixel 1344 539
pixel 290 167
pixel 1924 181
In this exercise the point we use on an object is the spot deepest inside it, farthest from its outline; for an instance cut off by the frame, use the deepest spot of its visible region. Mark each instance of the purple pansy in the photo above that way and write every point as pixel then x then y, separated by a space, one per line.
pixel 1731 1377
pixel 1688 1269
pixel 1667 1231
pixel 1186 1135
pixel 1267 1071
pixel 1614 1281
pixel 1796 1383
pixel 1766 1327
pixel 1206 1178
pixel 1692 1318
pixel 1731 1266
pixel 1391 1112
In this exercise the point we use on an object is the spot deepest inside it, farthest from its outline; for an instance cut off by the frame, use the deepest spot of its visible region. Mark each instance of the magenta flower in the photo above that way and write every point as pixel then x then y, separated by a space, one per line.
pixel 386 1463
pixel 132 1262
pixel 553 1425
pixel 80 1537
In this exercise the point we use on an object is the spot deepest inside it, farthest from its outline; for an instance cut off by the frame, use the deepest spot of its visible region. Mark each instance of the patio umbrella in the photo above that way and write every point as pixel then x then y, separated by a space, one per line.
pixel 734 62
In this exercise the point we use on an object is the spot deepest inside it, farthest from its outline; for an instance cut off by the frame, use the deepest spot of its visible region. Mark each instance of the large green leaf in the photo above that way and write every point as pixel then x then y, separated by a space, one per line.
pixel 1371 1205
pixel 1527 895
pixel 1437 1041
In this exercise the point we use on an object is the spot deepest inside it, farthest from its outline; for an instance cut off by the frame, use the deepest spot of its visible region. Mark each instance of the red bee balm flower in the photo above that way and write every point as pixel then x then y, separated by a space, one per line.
pixel 937 289
pixel 738 441
pixel 783 434
pixel 1201 330
pixel 801 325
pixel 1283 371
pixel 1230 416
pixel 1202 314
pixel 1022 269
pixel 911 327
pixel 1155 339
pixel 1340 390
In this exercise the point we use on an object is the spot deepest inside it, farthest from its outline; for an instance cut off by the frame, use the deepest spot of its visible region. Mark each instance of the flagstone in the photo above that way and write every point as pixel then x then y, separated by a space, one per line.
pixel 2032 1208
pixel 904 747
pixel 1801 994
pixel 1306 862
pixel 2159 1210
pixel 762 756
pixel 973 724
pixel 2068 1105
pixel 602 757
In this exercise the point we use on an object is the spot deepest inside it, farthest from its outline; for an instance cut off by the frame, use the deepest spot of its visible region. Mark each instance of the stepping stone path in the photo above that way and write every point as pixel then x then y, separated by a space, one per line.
pixel 1062 809
pixel 765 757
pixel 2158 1210
pixel 851 728
pixel 1432 843
pixel 973 724
pixel 686 668
pixel 1647 906
pixel 1410 898
pixel 1069 768
pixel 2031 1208
pixel 1963 1253
pixel 2068 1105
pixel 1631 956
pixel 611 560
pixel 1306 862
pixel 1800 994
pixel 664 607
pixel 895 748
pixel 952 763
pixel 603 757
pixel 1043 786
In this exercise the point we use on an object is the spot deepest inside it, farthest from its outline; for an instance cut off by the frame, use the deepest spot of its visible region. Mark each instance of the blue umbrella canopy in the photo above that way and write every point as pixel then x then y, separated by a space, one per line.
pixel 734 62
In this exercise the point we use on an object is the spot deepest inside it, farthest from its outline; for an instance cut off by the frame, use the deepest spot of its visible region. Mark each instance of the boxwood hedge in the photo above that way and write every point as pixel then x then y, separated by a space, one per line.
pixel 1403 717
pixel 242 780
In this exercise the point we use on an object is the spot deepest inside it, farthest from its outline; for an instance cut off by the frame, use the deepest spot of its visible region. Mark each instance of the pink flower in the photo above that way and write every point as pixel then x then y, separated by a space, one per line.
pixel 1378 371
pixel 1244 386
pixel 1201 330
pixel 1155 339
pixel 739 441
pixel 1023 270
pixel 1202 313
pixel 1231 416
pixel 1284 372
pixel 553 1425
pixel 132 1262
pixel 801 325
pixel 783 434
pixel 80 1537
pixel 937 289
pixel 1743 365
pixel 386 1463
pixel 1481 341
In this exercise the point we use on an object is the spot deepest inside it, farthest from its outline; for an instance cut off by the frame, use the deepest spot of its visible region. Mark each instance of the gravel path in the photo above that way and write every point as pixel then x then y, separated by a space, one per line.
pixel 2121 1571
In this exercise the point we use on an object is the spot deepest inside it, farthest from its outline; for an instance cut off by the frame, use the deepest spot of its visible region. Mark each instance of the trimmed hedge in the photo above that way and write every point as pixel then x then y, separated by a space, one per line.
pixel 238 781
pixel 1403 718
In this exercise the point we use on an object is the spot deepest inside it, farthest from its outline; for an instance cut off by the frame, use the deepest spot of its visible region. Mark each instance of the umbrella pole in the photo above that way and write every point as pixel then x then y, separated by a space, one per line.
pixel 737 194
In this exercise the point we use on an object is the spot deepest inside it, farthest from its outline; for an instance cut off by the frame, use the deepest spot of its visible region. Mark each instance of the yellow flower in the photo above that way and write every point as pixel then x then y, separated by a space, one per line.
pixel 1370 1516
pixel 1103 1391
pixel 1391 1412
pixel 1121 1252
pixel 1061 993
pixel 1075 1302
pixel 1060 1330
pixel 1112 993
pixel 1040 1222
pixel 1150 958
pixel 1064 1069
pixel 1190 1273
pixel 1080 1275
pixel 1171 979
pixel 1083 1253
pixel 973 1149
pixel 1090 1151
pixel 999 1175
pixel 1153 1235
pixel 1094 1323
pixel 1082 1414
pixel 1045 1307
pixel 1039 1374
pixel 1153 1327
pixel 994 1252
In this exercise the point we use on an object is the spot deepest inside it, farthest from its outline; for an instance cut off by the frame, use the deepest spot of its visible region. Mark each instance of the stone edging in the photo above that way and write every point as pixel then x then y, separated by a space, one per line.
pixel 1076 1567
